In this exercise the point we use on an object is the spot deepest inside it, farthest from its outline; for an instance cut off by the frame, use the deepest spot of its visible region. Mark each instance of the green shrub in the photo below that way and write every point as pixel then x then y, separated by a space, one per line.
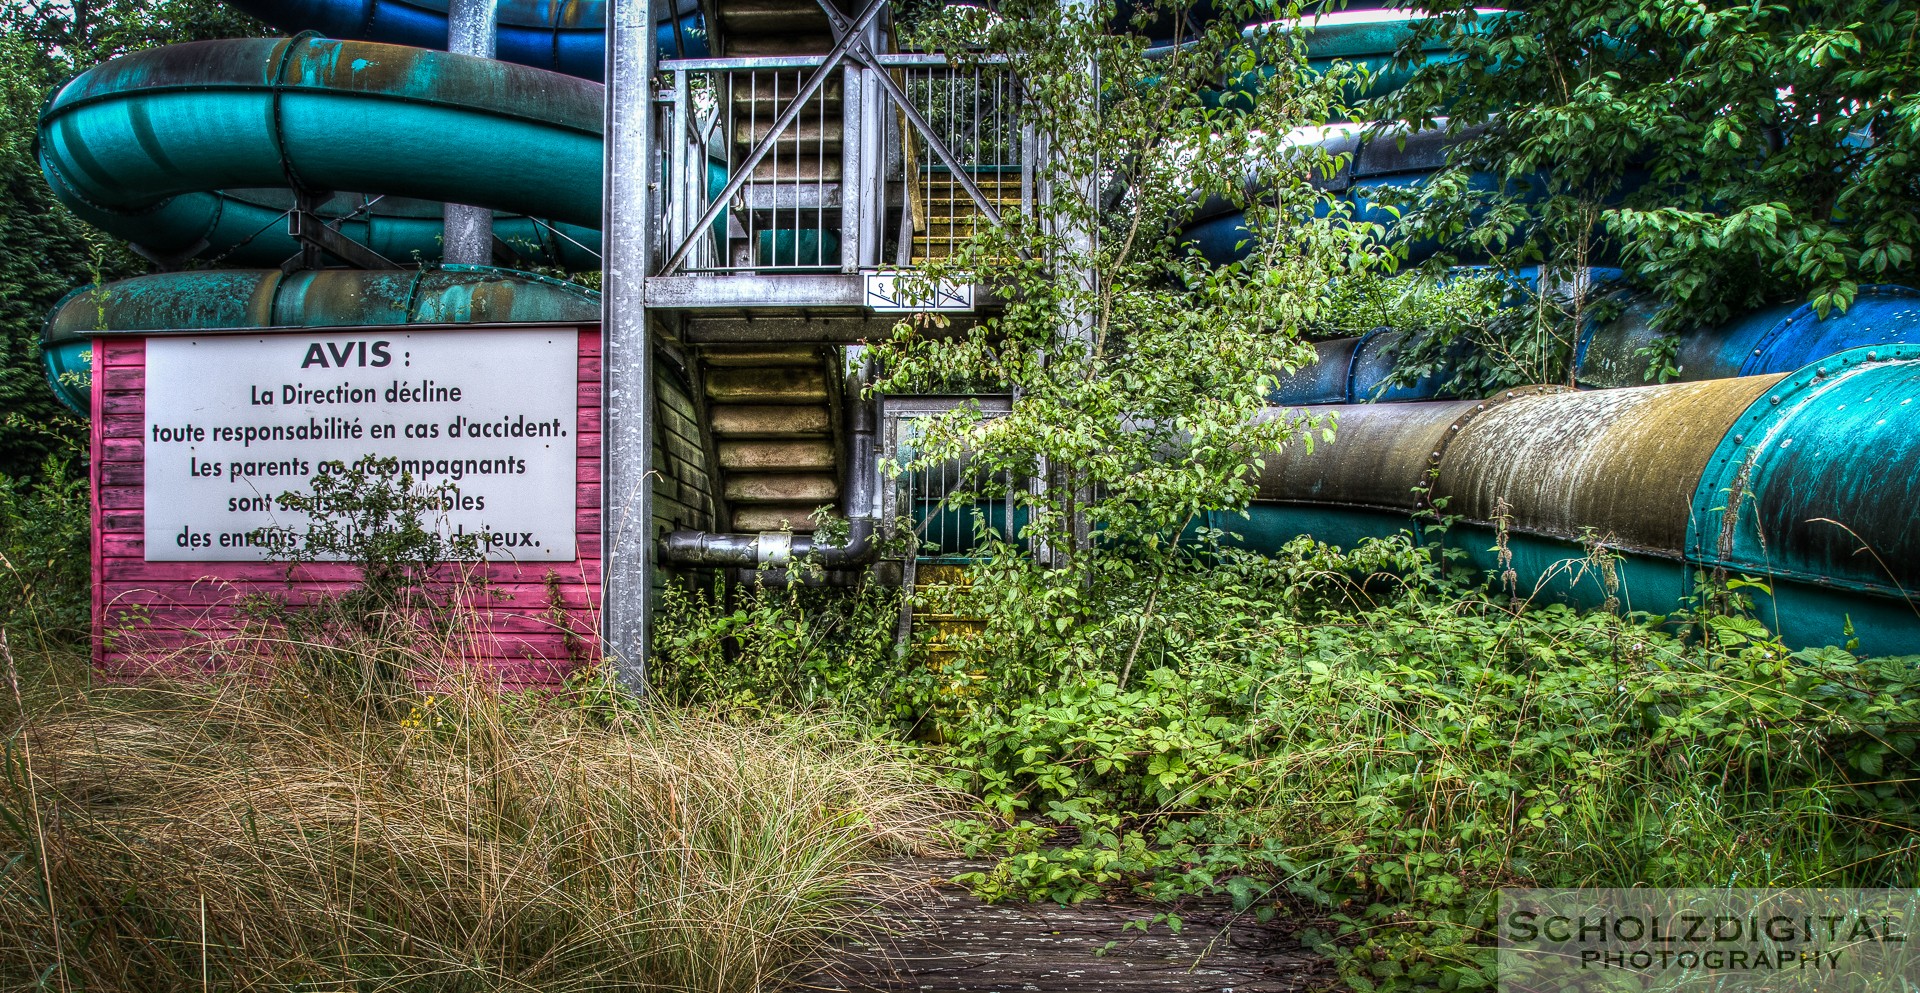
pixel 1393 751
pixel 45 557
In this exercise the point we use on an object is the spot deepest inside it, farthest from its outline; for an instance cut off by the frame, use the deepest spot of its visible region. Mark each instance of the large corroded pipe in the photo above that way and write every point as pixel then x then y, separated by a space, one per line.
pixel 209 300
pixel 1621 465
pixel 1795 478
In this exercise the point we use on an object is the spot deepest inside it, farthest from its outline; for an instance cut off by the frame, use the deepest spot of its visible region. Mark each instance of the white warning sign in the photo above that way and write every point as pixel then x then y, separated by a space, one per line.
pixel 484 420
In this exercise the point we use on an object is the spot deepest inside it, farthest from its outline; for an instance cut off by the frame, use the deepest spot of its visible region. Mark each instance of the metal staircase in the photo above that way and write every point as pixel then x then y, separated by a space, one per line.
pixel 777 433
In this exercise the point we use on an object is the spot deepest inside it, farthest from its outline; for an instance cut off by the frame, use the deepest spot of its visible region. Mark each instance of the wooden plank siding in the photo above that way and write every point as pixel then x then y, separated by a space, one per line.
pixel 535 622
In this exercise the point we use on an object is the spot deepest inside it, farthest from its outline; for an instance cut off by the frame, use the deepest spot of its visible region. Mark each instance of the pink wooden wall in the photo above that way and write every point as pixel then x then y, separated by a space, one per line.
pixel 175 613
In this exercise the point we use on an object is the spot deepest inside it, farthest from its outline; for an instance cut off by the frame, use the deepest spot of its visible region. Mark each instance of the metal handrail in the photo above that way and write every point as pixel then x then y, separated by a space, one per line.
pixel 703 129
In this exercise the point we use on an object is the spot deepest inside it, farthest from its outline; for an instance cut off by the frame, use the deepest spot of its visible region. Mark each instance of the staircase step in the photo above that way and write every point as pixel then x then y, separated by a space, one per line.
pixel 801 42
pixel 760 456
pixel 763 355
pixel 958 227
pixel 787 196
pixel 776 517
pixel 748 422
pixel 772 385
pixel 938 574
pixel 782 487
pixel 808 134
pixel 747 18
pixel 775 88
pixel 943 209
pixel 809 168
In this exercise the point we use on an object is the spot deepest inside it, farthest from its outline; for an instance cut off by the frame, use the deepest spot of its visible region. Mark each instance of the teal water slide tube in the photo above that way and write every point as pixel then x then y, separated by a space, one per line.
pixel 568 36
pixel 190 150
pixel 227 300
pixel 1800 479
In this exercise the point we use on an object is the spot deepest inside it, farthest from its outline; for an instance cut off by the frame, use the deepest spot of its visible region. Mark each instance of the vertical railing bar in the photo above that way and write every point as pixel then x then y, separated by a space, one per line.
pixel 948 134
pixel 977 157
pixel 820 180
pixel 751 223
pixel 678 191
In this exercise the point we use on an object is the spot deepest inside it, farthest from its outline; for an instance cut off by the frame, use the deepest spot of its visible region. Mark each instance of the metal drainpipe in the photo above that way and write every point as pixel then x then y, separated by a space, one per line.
pixel 779 549
pixel 472 26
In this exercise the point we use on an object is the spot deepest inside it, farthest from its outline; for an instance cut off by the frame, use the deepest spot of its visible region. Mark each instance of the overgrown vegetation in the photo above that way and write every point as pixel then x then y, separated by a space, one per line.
pixel 1725 155
pixel 263 830
pixel 1355 735
pixel 1360 739
pixel 48 251
pixel 329 799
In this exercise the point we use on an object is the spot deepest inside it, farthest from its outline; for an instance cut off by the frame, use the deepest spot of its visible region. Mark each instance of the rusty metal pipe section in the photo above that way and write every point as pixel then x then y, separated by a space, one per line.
pixel 1798 479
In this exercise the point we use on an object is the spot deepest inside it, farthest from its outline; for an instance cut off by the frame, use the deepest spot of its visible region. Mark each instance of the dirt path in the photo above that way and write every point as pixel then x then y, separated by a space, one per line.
pixel 942 939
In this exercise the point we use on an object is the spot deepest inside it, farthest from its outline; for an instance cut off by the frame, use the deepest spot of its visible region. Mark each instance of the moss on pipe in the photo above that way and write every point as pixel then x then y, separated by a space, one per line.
pixel 242 299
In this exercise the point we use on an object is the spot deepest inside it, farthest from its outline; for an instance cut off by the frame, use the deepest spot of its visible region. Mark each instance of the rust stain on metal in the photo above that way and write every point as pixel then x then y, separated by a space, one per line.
pixel 1378 457
pixel 1623 463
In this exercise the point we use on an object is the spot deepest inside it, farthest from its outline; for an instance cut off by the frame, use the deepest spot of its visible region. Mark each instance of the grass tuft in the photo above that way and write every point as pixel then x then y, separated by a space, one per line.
pixel 287 825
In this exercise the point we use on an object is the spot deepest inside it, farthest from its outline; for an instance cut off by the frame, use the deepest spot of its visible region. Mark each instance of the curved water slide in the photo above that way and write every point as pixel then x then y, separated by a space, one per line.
pixel 566 36
pixel 198 150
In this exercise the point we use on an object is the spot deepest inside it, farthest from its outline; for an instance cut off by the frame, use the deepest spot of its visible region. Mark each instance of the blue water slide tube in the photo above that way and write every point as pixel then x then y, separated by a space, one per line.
pixel 566 36
pixel 188 150
pixel 1773 339
pixel 1780 338
pixel 1370 159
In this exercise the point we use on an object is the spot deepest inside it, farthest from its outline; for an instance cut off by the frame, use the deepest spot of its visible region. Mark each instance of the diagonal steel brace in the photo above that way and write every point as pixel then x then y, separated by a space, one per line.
pixel 863 54
pixel 841 47
pixel 934 144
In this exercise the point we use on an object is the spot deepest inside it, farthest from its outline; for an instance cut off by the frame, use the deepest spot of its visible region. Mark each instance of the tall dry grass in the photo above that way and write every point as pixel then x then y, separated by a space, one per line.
pixel 290 828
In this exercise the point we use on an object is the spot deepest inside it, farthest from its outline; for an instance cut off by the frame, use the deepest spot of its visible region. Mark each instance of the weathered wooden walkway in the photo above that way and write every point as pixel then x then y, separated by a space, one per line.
pixel 940 939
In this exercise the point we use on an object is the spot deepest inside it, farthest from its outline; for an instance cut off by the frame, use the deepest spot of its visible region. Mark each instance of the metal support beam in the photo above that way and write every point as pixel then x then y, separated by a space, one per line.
pixel 317 236
pixel 471 30
pixel 847 41
pixel 632 173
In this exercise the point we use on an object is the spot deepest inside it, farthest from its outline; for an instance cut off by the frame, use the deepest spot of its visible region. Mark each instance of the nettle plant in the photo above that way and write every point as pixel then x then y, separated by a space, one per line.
pixel 1138 371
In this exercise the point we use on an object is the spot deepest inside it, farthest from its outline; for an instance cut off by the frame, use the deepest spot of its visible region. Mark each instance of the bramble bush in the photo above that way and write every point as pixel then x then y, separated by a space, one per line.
pixel 1359 737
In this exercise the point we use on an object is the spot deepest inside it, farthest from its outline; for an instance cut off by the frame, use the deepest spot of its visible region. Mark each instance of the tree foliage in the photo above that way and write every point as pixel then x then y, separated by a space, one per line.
pixel 1138 372
pixel 1726 155
pixel 44 250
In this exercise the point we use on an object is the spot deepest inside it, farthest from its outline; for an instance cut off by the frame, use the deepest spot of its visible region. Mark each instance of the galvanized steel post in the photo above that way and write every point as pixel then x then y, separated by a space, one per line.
pixel 626 517
pixel 1082 240
pixel 472 26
